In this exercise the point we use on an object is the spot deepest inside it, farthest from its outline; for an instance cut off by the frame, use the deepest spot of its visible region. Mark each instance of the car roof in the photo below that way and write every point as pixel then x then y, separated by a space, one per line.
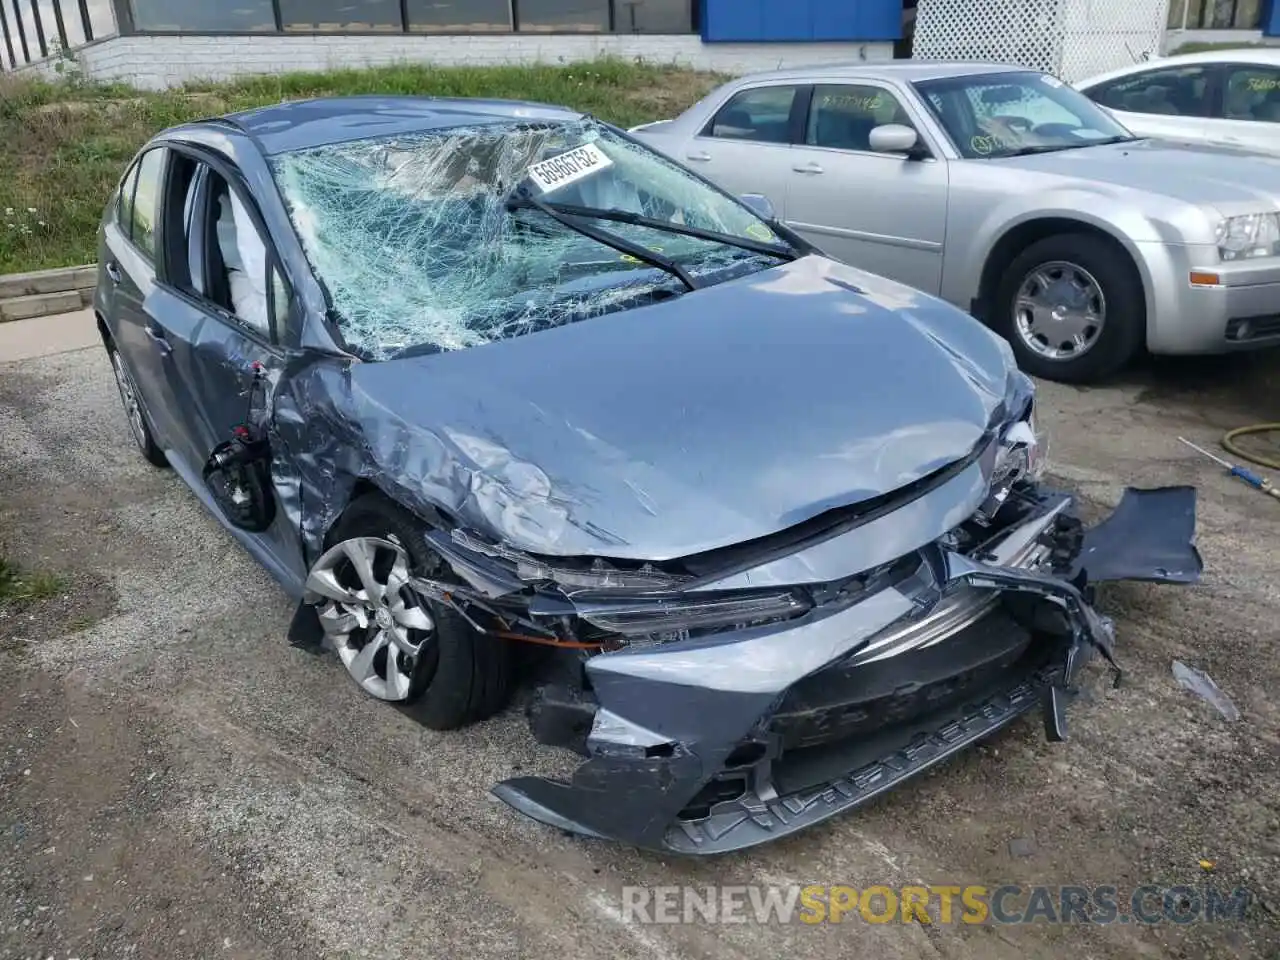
pixel 1263 56
pixel 902 70
pixel 303 124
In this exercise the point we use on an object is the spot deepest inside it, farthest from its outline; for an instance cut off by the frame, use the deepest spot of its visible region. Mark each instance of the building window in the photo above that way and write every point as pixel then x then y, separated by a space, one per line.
pixel 1215 14
pixel 34 38
pixel 653 16
pixel 459 16
pixel 245 16
pixel 72 23
pixel 102 17
pixel 341 16
pixel 61 24
pixel 563 16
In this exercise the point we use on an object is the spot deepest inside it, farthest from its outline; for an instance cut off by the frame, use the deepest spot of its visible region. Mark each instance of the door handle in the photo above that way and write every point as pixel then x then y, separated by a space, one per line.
pixel 700 157
pixel 808 168
pixel 157 337
pixel 113 271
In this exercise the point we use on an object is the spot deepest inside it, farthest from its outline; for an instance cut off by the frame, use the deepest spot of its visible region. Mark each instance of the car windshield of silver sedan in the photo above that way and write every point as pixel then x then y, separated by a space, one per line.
pixel 1015 114
pixel 449 239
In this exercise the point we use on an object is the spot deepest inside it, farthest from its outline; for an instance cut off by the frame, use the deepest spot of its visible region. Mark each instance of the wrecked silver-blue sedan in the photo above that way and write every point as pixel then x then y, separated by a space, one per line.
pixel 509 401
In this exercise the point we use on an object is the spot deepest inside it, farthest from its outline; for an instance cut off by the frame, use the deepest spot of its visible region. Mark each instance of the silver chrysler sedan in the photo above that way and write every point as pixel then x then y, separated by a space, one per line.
pixel 1011 195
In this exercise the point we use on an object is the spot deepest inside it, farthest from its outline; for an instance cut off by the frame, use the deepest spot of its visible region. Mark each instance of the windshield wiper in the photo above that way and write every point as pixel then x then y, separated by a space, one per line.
pixel 698 233
pixel 1055 147
pixel 523 198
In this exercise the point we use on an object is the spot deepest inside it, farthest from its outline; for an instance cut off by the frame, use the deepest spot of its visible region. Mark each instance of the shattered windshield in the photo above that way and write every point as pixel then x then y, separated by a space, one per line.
pixel 422 247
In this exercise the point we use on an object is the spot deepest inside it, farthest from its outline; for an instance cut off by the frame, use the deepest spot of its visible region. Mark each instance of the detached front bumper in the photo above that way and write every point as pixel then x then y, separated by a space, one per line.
pixel 712 745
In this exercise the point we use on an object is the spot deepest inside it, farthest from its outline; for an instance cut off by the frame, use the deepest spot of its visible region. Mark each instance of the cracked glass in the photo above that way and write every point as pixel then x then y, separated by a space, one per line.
pixel 420 251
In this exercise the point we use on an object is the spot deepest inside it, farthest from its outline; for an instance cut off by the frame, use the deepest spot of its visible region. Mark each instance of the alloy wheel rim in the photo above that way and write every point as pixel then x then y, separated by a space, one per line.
pixel 1059 311
pixel 371 617
pixel 132 409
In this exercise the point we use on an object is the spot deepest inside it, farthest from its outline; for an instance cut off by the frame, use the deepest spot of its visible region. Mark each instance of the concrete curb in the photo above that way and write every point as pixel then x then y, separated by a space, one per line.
pixel 41 293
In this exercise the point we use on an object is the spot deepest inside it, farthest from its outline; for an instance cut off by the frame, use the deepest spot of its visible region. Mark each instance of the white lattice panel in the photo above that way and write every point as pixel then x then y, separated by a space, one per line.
pixel 1101 35
pixel 1072 39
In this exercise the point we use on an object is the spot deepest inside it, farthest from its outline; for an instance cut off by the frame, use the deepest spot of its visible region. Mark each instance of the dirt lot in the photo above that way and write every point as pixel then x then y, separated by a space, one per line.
pixel 176 781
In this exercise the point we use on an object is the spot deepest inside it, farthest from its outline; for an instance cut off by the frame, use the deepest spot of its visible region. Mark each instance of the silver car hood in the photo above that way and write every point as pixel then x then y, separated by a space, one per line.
pixel 1228 180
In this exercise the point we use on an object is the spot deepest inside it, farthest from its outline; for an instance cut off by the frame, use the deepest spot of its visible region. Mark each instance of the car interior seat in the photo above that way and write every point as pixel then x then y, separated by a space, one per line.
pixel 1155 100
pixel 1269 109
pixel 734 120
pixel 843 130
pixel 221 243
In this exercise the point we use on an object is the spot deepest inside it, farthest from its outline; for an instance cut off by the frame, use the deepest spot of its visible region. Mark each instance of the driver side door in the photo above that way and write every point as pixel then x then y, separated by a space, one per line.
pixel 227 302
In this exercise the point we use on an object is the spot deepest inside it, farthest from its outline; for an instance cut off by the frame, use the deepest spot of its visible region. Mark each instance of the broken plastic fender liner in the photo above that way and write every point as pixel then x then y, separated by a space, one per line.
pixel 1148 537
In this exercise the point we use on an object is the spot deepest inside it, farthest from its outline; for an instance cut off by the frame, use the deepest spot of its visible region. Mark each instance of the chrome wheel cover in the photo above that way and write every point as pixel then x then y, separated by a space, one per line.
pixel 375 622
pixel 1059 311
pixel 129 397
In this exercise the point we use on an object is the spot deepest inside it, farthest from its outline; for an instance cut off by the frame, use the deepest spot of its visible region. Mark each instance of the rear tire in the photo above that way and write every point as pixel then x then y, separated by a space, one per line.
pixel 134 410
pixel 1094 272
pixel 460 675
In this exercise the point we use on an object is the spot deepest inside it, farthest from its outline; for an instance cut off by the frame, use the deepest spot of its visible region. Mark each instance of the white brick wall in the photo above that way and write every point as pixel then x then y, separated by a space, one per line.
pixel 157 62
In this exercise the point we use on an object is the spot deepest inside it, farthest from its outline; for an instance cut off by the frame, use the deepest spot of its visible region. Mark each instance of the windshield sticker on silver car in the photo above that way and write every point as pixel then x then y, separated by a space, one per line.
pixel 569 167
pixel 984 145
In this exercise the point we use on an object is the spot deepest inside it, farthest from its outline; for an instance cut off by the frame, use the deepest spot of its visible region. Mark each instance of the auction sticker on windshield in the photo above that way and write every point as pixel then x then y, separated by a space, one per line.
pixel 567 168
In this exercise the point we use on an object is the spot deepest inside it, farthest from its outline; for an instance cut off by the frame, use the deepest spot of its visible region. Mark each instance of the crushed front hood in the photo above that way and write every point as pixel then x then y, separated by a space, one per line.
pixel 700 422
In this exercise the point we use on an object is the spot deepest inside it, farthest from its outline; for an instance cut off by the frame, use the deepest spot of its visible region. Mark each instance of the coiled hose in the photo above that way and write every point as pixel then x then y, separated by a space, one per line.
pixel 1229 443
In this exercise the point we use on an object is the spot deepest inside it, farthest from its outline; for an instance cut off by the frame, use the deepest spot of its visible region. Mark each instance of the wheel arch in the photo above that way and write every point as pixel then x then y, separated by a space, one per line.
pixel 363 488
pixel 1021 235
pixel 103 330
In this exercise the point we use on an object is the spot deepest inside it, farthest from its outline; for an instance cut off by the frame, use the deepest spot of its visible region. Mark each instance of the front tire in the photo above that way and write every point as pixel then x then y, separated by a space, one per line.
pixel 135 413
pixel 397 645
pixel 1072 307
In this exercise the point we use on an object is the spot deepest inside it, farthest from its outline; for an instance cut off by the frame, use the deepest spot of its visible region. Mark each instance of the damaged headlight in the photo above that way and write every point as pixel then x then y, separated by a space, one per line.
pixel 598 576
pixel 1021 456
pixel 643 616
pixel 1022 452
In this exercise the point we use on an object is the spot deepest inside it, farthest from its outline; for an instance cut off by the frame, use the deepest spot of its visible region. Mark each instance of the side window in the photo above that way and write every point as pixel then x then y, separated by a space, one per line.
pixel 1173 91
pixel 124 203
pixel 216 253
pixel 1252 93
pixel 762 114
pixel 842 116
pixel 146 201
pixel 237 264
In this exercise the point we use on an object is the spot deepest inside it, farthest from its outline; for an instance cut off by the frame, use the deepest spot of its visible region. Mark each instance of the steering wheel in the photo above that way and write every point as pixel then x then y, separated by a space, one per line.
pixel 1017 124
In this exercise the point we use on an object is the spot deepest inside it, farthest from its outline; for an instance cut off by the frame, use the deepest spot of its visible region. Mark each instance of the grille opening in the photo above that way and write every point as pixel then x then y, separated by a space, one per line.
pixel 719 790
pixel 1253 328
pixel 832 751
pixel 745 754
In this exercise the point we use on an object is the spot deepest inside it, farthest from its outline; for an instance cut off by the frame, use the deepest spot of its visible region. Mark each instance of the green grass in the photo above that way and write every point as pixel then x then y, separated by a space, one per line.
pixel 63 145
pixel 16 585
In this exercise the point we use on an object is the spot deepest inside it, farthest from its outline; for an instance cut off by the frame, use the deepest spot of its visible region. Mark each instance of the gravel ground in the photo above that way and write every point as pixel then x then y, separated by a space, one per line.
pixel 176 781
